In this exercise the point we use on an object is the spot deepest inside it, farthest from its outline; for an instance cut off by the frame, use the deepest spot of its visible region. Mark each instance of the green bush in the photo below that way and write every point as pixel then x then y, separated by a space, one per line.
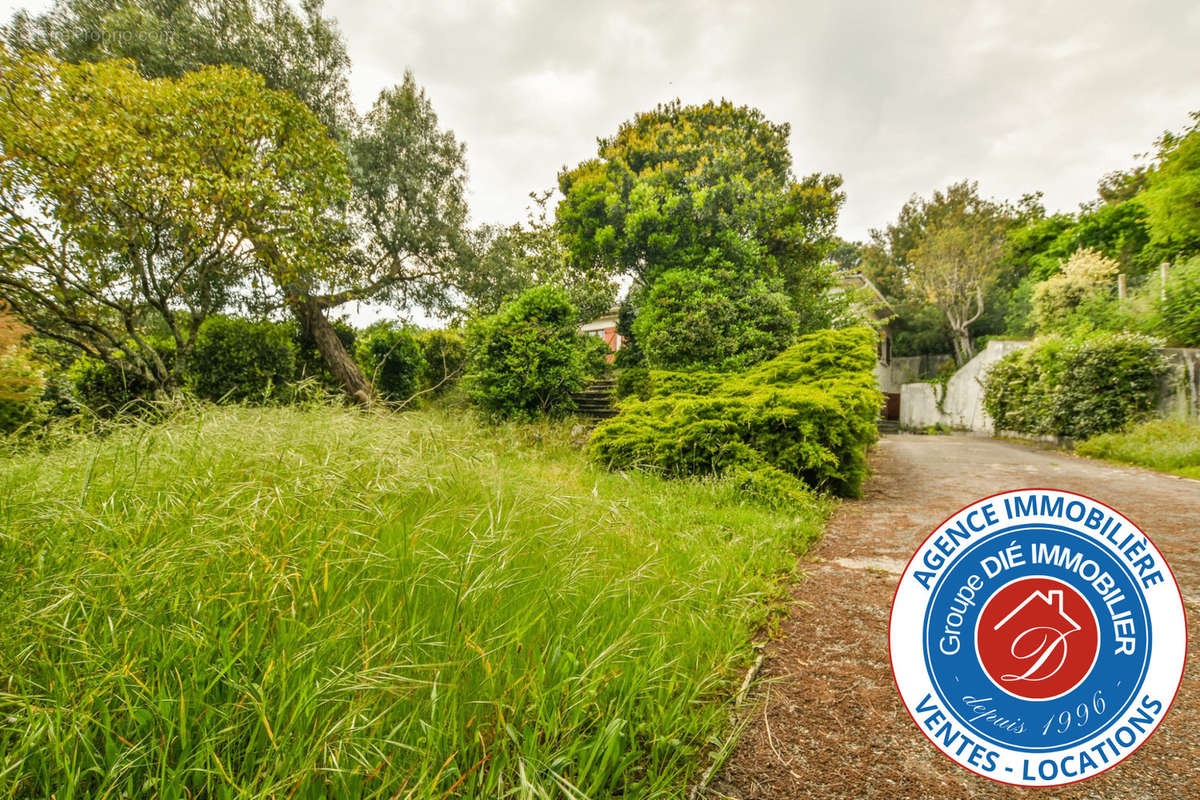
pixel 809 413
pixel 1179 311
pixel 21 386
pixel 666 382
pixel 633 382
pixel 712 320
pixel 528 359
pixel 1074 387
pixel 107 389
pixel 390 355
pixel 443 357
pixel 241 360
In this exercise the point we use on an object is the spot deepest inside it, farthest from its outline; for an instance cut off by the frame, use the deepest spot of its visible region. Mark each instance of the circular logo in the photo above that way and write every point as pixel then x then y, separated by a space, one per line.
pixel 1037 637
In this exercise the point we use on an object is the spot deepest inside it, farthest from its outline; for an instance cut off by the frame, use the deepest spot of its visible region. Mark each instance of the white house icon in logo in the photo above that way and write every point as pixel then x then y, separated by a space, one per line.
pixel 1038 642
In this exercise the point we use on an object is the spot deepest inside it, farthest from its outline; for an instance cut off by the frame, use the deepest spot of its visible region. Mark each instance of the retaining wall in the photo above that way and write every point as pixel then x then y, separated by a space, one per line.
pixel 961 405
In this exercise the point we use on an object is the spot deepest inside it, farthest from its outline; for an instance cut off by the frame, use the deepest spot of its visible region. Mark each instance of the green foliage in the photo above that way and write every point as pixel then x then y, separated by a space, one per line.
pixel 1087 274
pixel 1167 445
pixel 329 603
pixel 678 183
pixel 1075 387
pixel 809 413
pixel 596 355
pixel 726 247
pixel 772 487
pixel 712 320
pixel 443 358
pixel 390 355
pixel 630 354
pixel 107 388
pixel 634 382
pixel 527 360
pixel 241 360
pixel 1179 311
pixel 665 382
pixel 157 201
pixel 1172 195
pixel 297 50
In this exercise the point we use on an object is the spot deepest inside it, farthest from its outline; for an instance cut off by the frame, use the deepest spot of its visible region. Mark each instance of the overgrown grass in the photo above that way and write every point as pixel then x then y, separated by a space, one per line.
pixel 309 603
pixel 1167 445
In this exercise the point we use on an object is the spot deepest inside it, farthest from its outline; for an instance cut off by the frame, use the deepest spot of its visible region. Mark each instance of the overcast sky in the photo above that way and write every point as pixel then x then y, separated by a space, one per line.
pixel 899 98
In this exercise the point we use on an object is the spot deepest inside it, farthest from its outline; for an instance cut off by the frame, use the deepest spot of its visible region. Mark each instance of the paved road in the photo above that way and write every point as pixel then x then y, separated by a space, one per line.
pixel 828 722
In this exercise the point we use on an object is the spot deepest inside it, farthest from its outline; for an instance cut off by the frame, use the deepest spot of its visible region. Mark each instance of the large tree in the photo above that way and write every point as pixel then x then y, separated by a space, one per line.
pixel 706 189
pixel 1172 195
pixel 405 211
pixel 939 262
pixel 132 209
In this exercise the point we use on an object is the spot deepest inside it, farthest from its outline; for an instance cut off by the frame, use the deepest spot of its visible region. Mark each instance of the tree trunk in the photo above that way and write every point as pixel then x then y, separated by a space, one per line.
pixel 963 352
pixel 310 314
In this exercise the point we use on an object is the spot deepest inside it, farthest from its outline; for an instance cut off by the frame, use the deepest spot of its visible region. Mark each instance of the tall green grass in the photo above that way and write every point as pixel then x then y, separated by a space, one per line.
pixel 1167 445
pixel 328 603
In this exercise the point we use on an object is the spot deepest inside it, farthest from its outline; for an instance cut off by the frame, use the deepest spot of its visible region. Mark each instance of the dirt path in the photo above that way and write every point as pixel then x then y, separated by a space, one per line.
pixel 829 722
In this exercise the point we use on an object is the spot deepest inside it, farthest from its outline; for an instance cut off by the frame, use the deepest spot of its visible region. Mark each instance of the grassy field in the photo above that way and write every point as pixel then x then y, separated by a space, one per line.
pixel 1167 445
pixel 307 603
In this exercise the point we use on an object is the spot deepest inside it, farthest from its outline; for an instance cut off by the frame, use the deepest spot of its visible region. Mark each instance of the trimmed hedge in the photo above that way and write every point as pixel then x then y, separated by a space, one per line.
pixel 1075 387
pixel 809 413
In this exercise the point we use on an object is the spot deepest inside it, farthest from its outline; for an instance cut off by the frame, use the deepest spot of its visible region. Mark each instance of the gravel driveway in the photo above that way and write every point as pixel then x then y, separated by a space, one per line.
pixel 828 722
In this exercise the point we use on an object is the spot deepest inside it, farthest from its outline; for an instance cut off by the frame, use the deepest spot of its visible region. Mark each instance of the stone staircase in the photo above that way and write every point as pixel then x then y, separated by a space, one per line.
pixel 887 425
pixel 598 400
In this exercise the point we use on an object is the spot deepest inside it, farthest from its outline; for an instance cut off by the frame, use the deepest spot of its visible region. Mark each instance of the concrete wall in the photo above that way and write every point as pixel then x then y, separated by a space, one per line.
pixel 962 404
pixel 908 369
pixel 1179 388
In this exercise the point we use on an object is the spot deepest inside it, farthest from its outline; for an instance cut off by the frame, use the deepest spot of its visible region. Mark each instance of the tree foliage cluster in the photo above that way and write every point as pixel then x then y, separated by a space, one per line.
pixel 526 360
pixel 726 249
pixel 1142 217
pixel 1075 386
pixel 240 360
pixel 321 206
pixel 807 415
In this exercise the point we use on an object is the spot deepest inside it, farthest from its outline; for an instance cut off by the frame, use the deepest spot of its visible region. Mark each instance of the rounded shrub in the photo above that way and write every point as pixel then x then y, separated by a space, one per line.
pixel 1075 387
pixel 241 360
pixel 390 355
pixel 528 359
pixel 809 414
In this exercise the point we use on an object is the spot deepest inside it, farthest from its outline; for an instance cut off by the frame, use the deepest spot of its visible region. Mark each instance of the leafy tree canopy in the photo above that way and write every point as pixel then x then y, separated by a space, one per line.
pixel 1172 195
pixel 682 186
pixel 132 209
pixel 297 50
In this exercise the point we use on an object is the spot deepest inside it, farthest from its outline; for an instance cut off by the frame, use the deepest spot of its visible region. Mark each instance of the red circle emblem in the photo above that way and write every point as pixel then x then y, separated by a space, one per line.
pixel 1037 638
